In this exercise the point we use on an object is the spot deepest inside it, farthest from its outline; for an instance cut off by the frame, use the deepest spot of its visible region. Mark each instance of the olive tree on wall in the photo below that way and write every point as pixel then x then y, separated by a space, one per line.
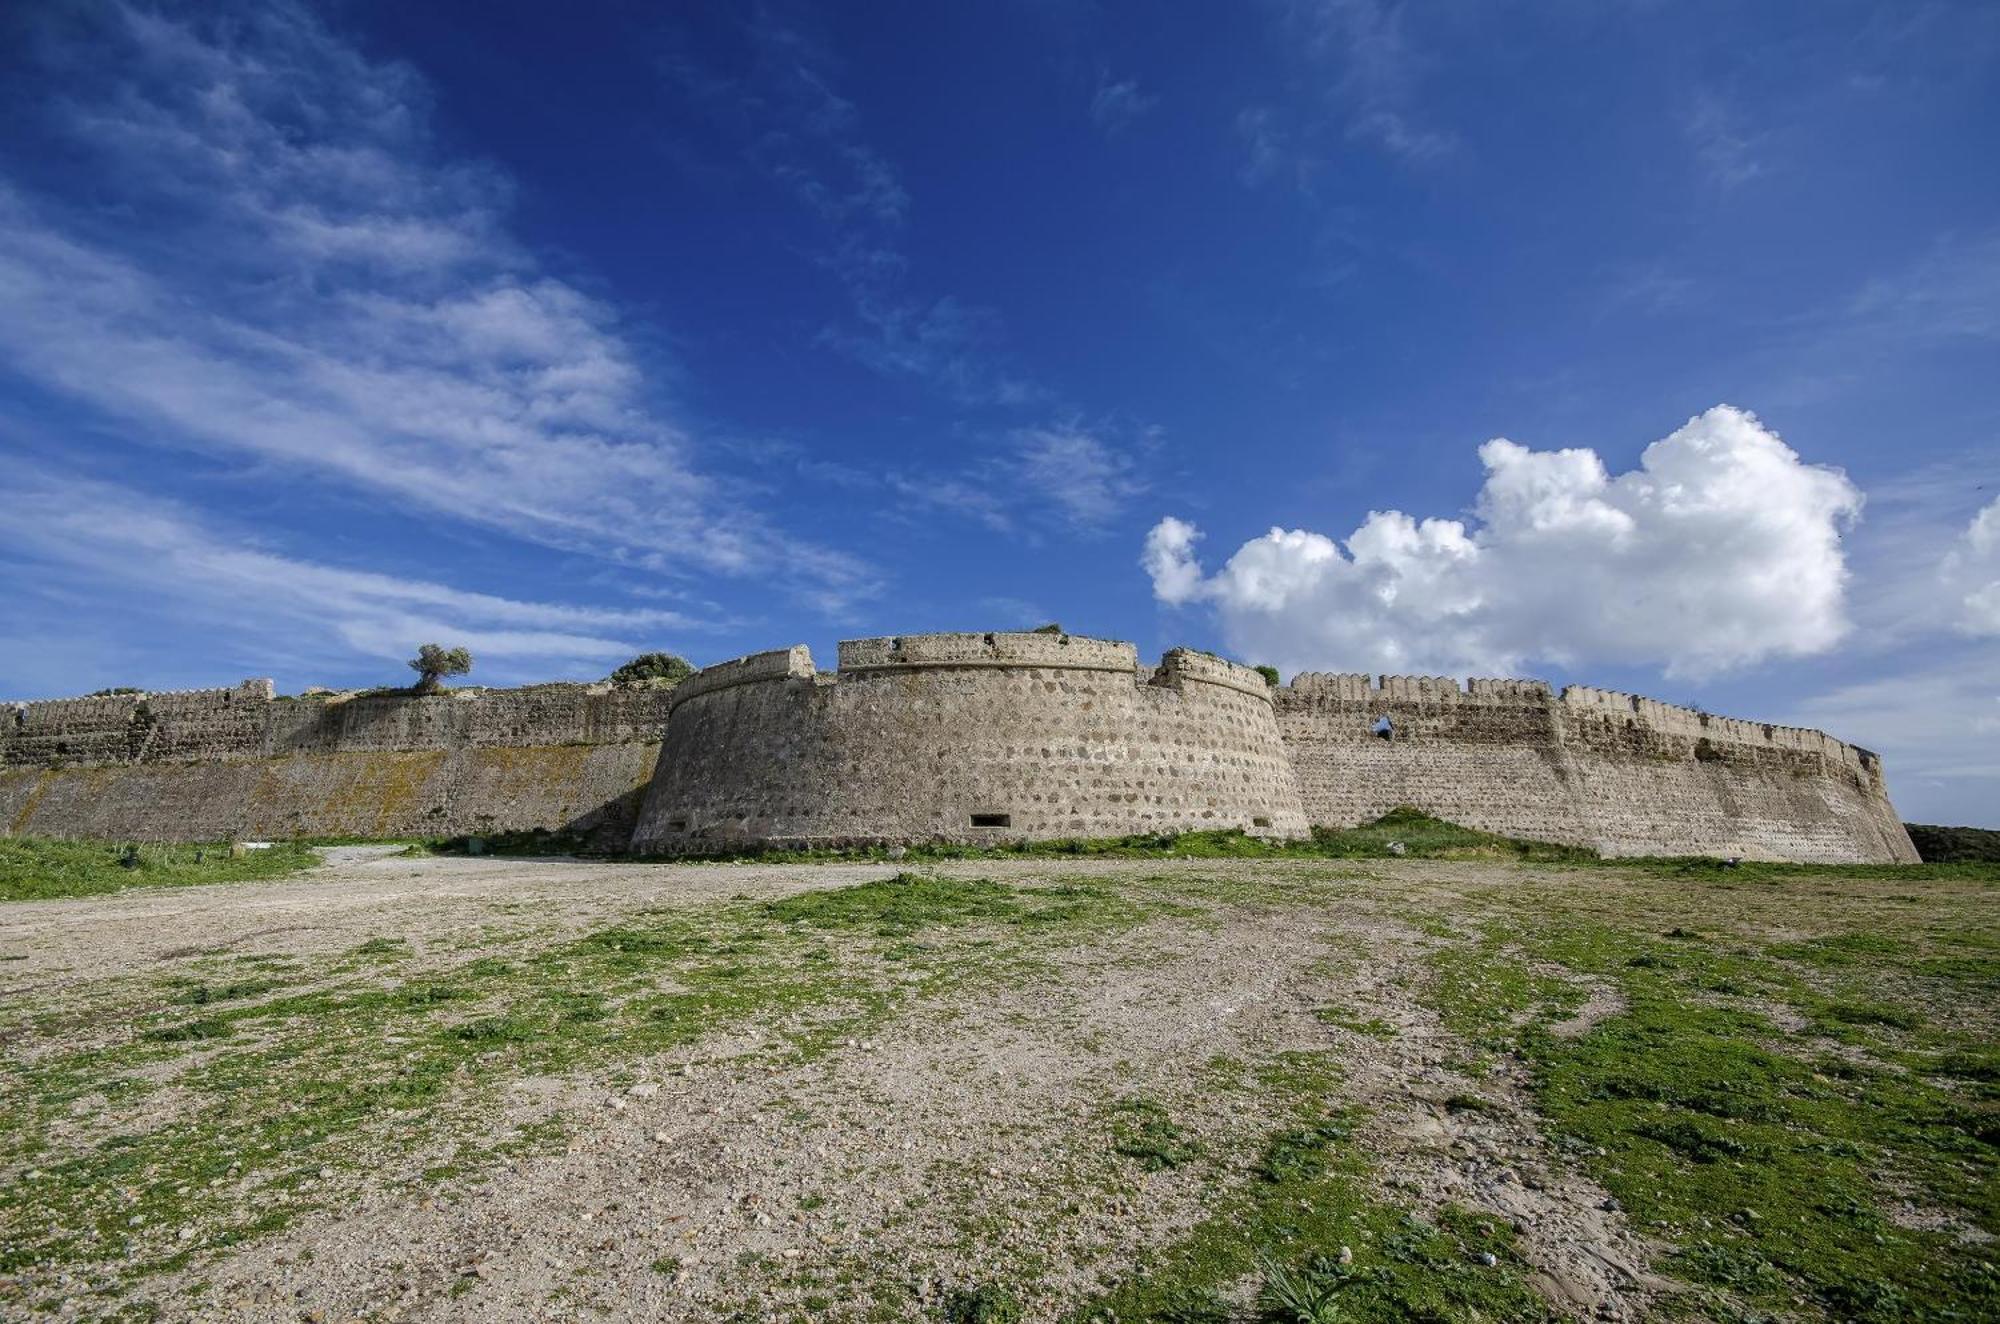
pixel 434 662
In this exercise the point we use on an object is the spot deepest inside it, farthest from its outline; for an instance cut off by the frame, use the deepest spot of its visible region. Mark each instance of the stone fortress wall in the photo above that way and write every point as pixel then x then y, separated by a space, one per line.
pixel 966 738
pixel 210 764
pixel 1622 774
pixel 955 737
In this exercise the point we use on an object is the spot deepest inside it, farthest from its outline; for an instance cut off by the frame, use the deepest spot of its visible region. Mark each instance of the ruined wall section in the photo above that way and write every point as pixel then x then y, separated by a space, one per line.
pixel 1622 774
pixel 248 722
pixel 207 764
pixel 966 738
pixel 1659 779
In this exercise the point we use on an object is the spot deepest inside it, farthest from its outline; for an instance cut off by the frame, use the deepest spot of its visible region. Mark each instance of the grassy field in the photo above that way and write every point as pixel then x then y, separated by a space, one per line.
pixel 37 869
pixel 1096 1086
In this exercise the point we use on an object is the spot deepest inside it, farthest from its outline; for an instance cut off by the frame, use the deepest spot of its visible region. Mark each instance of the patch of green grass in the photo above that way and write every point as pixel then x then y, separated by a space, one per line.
pixel 1304 1197
pixel 1768 1165
pixel 200 994
pixel 1419 835
pixel 898 907
pixel 1697 869
pixel 1843 949
pixel 986 1303
pixel 356 1069
pixel 40 869
pixel 1141 1130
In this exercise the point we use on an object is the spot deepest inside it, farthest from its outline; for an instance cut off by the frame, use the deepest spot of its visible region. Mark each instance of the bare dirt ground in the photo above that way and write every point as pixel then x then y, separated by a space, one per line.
pixel 874 1119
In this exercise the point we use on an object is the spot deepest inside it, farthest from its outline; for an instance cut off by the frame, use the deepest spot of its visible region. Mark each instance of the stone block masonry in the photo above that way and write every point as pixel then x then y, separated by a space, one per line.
pixel 1621 774
pixel 966 738
pixel 208 764
pixel 950 738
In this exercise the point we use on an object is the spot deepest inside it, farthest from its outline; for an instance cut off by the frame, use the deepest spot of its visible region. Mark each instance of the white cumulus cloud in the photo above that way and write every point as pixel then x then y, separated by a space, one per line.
pixel 1722 549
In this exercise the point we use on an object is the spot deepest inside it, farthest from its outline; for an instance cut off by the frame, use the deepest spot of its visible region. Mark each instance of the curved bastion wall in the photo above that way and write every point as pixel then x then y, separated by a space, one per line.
pixel 966 738
pixel 1619 773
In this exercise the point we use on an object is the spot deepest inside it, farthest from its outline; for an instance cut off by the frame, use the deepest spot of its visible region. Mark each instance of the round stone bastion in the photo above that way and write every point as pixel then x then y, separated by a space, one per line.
pixel 975 738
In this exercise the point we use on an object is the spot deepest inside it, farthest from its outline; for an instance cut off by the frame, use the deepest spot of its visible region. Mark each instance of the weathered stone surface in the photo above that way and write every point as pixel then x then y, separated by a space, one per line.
pixel 1038 735
pixel 1623 774
pixel 966 737
pixel 209 764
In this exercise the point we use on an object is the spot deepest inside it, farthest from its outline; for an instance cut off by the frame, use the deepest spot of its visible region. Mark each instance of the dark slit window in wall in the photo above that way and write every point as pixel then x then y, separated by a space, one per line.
pixel 992 820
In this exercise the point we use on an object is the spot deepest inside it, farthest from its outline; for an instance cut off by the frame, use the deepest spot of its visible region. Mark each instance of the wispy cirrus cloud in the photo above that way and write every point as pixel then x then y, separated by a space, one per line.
pixel 1972 569
pixel 318 286
pixel 1368 73
pixel 1728 153
pixel 160 557
pixel 796 129
pixel 1071 476
pixel 1088 478
pixel 1949 291
pixel 1117 104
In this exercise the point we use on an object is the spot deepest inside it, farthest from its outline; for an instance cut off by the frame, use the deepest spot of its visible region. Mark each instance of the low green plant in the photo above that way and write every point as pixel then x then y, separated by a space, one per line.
pixel 1304 1293
pixel 986 1303
pixel 37 868
pixel 1141 1130
pixel 650 668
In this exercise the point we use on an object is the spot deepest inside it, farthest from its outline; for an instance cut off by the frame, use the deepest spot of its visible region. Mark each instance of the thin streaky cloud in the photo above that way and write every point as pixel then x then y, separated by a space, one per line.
pixel 319 288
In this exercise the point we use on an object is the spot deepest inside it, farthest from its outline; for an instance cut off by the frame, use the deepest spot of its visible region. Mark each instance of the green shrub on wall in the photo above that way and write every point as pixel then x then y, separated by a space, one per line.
pixel 647 668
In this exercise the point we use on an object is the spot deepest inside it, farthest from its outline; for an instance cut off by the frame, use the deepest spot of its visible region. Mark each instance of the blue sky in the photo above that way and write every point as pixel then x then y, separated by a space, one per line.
pixel 565 333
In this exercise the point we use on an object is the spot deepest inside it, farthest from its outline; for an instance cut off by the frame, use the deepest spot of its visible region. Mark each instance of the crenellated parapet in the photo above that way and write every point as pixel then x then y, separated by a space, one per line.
pixel 1618 772
pixel 1356 687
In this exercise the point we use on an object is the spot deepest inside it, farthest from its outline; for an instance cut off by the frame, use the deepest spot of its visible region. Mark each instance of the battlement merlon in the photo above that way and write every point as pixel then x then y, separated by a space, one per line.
pixel 1358 687
pixel 1672 718
pixel 1583 700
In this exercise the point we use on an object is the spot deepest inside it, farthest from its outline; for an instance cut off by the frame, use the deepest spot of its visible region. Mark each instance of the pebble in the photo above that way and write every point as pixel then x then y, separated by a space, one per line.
pixel 1347 1255
pixel 1488 1258
pixel 645 1089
